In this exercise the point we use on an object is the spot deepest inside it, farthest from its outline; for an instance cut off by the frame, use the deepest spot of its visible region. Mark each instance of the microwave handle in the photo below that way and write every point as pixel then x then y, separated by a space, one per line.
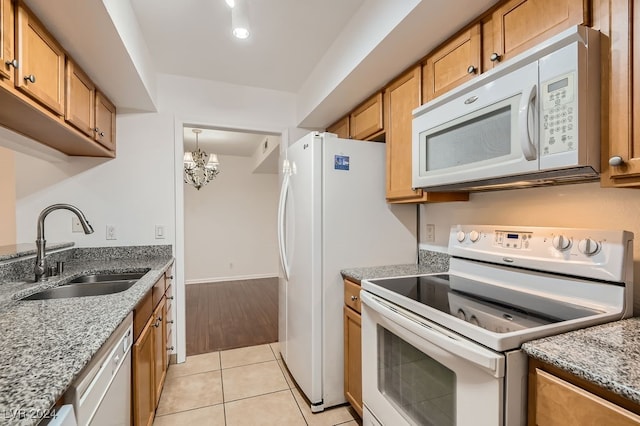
pixel 525 110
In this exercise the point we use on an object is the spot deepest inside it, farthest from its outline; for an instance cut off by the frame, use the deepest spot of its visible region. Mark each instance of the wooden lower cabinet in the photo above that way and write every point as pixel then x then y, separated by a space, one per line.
pixel 144 401
pixel 352 347
pixel 557 398
pixel 150 355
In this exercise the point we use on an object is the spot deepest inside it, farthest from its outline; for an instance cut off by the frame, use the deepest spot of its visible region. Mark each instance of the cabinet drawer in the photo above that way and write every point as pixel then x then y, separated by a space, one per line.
pixel 141 314
pixel 352 295
pixel 562 403
pixel 158 291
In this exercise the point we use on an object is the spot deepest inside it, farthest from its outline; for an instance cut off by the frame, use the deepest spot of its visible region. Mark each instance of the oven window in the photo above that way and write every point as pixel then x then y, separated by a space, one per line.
pixel 420 388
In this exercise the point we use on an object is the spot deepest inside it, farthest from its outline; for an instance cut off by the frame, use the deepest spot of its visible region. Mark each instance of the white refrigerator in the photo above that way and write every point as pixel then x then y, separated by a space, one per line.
pixel 332 215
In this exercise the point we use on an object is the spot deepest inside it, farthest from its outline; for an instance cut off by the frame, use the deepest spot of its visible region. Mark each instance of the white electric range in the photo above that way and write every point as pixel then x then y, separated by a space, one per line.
pixel 444 349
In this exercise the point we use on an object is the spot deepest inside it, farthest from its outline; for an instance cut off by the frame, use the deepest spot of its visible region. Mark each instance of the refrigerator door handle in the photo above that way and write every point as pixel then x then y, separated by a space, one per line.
pixel 281 225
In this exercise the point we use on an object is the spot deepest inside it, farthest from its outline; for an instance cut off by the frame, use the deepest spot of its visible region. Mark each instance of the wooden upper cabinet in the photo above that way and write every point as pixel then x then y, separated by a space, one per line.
pixel 401 97
pixel 340 128
pixel 41 62
pixel 365 121
pixel 521 24
pixel 8 60
pixel 624 97
pixel 452 64
pixel 105 129
pixel 80 99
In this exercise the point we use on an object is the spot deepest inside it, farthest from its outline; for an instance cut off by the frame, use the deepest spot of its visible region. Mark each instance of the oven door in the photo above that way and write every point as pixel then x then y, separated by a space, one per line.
pixel 415 372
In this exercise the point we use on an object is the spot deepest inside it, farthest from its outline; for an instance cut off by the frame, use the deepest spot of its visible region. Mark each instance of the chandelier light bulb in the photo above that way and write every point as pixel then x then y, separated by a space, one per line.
pixel 200 168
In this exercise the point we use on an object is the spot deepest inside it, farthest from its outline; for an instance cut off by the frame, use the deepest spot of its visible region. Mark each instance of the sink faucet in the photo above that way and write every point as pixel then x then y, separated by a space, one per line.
pixel 41 260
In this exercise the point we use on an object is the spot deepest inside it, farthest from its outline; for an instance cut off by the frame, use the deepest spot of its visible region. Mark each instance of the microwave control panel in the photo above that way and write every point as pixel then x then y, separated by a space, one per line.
pixel 559 115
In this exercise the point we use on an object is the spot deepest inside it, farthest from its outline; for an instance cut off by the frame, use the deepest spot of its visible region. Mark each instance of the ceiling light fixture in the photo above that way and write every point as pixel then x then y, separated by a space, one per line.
pixel 200 168
pixel 239 20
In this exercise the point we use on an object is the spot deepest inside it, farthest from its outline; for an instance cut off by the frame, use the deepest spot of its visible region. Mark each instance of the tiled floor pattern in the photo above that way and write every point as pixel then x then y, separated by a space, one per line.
pixel 246 386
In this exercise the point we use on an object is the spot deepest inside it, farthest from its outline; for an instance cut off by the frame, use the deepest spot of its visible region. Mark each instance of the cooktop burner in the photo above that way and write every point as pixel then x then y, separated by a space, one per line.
pixel 436 292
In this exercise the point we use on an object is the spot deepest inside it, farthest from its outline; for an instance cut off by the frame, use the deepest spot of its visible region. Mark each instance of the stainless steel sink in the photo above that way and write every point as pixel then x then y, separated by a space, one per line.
pixel 97 278
pixel 90 285
pixel 83 289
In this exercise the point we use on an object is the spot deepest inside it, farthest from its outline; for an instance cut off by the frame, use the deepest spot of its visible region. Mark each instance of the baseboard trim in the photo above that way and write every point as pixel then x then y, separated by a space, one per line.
pixel 234 278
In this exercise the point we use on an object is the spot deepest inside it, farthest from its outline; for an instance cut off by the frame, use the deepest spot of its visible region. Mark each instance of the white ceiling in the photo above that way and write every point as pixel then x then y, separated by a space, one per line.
pixel 223 142
pixel 193 38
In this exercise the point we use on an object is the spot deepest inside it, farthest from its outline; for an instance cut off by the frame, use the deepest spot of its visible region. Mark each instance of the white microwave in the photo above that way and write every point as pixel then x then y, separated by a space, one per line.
pixel 535 120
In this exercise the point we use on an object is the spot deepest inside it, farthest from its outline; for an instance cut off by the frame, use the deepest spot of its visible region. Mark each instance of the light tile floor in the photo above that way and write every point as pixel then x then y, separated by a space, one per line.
pixel 246 386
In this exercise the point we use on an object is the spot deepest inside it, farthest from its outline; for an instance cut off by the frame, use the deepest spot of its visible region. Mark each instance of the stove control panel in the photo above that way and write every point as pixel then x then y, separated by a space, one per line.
pixel 595 253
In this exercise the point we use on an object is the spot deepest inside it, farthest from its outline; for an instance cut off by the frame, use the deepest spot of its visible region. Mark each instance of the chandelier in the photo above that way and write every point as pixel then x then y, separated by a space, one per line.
pixel 199 167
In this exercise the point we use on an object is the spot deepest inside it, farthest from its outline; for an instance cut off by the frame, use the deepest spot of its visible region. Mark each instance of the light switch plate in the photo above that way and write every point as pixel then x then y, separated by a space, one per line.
pixel 159 232
pixel 430 233
pixel 111 232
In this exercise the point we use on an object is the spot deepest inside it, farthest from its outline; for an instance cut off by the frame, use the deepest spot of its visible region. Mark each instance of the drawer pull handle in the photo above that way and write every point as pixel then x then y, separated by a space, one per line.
pixel 354 298
pixel 495 57
pixel 13 63
pixel 30 77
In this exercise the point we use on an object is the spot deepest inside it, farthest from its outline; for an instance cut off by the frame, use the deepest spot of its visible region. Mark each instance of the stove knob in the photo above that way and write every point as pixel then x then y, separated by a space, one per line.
pixel 473 320
pixel 460 314
pixel 474 236
pixel 588 246
pixel 561 243
pixel 460 236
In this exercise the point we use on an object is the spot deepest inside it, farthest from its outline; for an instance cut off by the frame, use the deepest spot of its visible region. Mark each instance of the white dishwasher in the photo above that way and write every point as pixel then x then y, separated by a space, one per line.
pixel 101 396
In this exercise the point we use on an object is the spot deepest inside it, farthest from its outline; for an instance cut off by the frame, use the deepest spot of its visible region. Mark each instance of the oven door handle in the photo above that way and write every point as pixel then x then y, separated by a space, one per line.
pixel 455 345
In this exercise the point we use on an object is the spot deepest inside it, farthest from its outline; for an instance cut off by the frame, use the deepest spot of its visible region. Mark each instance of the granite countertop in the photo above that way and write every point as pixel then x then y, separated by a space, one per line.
pixel 430 262
pixel 46 343
pixel 607 355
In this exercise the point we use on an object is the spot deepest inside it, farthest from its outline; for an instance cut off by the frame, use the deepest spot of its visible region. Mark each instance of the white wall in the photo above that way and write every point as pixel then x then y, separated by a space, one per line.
pixel 8 197
pixel 230 225
pixel 577 206
pixel 133 192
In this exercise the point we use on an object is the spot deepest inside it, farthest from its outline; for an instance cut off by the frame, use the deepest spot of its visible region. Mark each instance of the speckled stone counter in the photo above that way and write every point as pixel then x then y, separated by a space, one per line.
pixel 46 343
pixel 607 355
pixel 429 262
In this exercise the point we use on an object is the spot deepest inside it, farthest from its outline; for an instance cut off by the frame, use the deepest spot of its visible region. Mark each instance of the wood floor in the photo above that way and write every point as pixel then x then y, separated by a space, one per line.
pixel 231 314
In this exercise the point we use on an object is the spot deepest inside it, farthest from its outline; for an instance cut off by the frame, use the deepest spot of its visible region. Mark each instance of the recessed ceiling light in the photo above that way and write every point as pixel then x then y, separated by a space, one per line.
pixel 230 3
pixel 241 33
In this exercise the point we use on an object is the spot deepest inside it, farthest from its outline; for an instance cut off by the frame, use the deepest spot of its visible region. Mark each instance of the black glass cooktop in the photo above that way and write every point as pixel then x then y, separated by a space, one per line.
pixel 495 309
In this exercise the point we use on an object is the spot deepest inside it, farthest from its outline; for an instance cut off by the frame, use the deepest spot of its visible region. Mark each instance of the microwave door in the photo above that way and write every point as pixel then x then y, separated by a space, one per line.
pixel 481 134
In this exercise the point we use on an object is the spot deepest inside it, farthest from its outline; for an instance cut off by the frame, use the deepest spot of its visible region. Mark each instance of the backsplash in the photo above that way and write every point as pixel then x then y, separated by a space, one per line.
pixel 21 269
pixel 435 259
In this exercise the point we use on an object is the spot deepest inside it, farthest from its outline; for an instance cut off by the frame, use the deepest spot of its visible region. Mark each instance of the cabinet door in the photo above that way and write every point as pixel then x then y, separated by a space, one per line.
pixel 365 121
pixel 521 24
pixel 80 99
pixel 144 401
pixel 452 64
pixel 340 128
pixel 563 404
pixel 7 55
pixel 353 358
pixel 41 63
pixel 624 113
pixel 168 316
pixel 401 97
pixel 159 350
pixel 105 130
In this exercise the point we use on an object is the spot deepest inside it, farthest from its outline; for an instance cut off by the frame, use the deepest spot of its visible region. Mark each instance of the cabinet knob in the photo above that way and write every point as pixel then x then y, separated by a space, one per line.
pixel 471 69
pixel 169 297
pixel 169 348
pixel 13 63
pixel 354 298
pixel 170 277
pixel 495 57
pixel 30 77
pixel 97 130
pixel 157 324
pixel 616 160
pixel 170 322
